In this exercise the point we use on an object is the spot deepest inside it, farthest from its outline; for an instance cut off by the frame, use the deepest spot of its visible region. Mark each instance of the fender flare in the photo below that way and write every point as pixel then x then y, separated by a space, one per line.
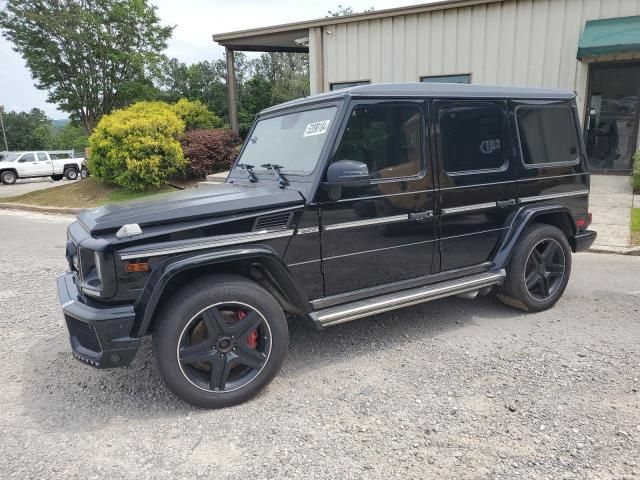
pixel 163 273
pixel 520 221
pixel 71 165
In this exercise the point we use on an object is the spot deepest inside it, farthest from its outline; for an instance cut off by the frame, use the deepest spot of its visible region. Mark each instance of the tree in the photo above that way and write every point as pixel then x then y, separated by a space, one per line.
pixel 27 130
pixel 91 55
pixel 342 11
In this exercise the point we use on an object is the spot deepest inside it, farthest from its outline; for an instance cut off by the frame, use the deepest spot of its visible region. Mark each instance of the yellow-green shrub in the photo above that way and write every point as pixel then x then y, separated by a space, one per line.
pixel 137 147
pixel 196 115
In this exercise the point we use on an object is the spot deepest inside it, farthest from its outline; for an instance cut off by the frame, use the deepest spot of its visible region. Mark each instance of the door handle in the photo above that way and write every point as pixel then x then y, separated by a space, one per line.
pixel 418 216
pixel 506 203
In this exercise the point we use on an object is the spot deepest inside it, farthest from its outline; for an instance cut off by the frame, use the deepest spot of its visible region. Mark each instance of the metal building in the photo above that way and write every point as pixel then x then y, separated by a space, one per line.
pixel 590 46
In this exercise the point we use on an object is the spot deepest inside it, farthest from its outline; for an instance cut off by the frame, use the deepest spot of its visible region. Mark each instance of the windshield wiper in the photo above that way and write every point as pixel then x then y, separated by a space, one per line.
pixel 282 181
pixel 249 168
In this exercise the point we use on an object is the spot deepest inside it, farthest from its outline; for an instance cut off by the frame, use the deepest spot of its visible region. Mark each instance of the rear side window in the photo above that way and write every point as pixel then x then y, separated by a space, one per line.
pixel 472 136
pixel 547 135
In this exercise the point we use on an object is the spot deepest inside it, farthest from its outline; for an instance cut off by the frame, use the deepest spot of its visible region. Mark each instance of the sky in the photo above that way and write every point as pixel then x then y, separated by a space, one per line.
pixel 195 21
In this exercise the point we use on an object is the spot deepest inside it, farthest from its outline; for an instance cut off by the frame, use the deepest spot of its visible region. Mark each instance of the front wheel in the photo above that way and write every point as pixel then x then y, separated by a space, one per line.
pixel 8 178
pixel 220 340
pixel 539 270
pixel 84 173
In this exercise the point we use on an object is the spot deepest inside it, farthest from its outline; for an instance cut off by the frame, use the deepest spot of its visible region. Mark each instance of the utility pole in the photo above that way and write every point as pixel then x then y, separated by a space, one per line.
pixel 4 135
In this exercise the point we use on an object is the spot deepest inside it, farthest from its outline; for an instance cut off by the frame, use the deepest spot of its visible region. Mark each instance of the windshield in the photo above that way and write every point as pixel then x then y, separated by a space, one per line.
pixel 8 156
pixel 291 142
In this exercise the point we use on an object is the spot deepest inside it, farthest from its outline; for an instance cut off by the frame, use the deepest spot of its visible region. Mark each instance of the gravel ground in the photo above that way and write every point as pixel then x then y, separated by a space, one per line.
pixel 451 389
pixel 30 185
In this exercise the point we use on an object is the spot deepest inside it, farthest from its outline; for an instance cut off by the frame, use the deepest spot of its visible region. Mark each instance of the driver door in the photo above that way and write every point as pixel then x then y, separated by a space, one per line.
pixel 27 165
pixel 384 232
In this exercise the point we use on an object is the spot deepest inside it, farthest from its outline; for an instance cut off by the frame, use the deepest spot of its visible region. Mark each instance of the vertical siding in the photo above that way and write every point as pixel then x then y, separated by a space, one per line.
pixel 516 42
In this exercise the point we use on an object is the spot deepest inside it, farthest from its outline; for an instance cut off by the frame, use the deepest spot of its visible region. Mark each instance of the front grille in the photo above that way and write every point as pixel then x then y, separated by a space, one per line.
pixel 275 220
pixel 84 333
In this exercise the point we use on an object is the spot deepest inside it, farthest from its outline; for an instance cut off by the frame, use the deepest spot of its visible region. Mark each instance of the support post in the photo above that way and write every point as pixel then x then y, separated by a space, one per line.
pixel 231 91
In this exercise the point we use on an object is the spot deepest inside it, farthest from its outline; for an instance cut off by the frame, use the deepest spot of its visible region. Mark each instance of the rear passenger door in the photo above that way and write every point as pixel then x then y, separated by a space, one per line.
pixel 476 174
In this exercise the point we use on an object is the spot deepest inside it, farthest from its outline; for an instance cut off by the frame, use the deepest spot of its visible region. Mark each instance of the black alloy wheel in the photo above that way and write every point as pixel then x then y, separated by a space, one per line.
pixel 545 269
pixel 219 340
pixel 224 347
pixel 538 271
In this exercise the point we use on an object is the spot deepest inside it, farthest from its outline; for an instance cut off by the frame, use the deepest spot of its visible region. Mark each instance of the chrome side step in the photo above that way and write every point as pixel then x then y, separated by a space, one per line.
pixel 391 301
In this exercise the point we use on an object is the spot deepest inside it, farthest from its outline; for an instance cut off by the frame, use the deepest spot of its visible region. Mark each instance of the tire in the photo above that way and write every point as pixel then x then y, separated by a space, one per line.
pixel 199 358
pixel 539 270
pixel 71 174
pixel 84 173
pixel 8 177
pixel 56 178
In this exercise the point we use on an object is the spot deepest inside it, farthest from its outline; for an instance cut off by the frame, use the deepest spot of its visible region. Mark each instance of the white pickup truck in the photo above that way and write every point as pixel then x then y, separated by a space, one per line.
pixel 14 165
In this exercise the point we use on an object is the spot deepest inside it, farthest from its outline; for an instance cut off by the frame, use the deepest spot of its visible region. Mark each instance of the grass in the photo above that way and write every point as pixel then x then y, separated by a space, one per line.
pixel 86 193
pixel 635 226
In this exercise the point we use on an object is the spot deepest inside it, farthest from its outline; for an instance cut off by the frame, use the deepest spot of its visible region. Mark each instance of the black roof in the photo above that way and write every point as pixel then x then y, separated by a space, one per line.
pixel 446 90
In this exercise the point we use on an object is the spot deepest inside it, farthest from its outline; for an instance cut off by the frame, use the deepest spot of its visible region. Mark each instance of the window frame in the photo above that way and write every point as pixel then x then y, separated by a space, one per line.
pixel 348 84
pixel 533 166
pixel 20 160
pixel 504 108
pixel 424 137
pixel 45 157
pixel 470 75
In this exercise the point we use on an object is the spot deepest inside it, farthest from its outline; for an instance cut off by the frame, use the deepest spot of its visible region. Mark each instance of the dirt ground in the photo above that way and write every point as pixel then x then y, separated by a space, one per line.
pixel 452 389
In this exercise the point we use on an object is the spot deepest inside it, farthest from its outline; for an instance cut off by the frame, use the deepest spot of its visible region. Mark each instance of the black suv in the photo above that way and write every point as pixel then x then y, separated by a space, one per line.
pixel 340 206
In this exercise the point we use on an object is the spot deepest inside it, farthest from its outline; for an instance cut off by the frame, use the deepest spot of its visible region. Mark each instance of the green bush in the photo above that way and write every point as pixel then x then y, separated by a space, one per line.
pixel 196 115
pixel 137 147
pixel 635 176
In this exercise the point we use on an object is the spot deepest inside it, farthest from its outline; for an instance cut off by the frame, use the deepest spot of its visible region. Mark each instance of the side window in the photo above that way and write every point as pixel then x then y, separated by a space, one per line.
pixel 27 157
pixel 472 136
pixel 42 157
pixel 547 135
pixel 388 138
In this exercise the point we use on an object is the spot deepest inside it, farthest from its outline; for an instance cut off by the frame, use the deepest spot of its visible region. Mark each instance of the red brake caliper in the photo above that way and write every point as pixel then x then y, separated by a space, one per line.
pixel 252 338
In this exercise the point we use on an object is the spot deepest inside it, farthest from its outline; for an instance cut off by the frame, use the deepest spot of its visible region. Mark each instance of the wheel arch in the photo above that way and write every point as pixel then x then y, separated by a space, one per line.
pixel 556 215
pixel 70 165
pixel 15 172
pixel 260 264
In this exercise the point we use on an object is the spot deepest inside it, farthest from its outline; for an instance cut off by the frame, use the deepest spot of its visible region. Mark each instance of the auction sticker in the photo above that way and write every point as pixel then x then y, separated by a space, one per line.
pixel 316 128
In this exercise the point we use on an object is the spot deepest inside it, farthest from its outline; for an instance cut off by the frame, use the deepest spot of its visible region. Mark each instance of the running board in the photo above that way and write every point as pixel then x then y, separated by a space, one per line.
pixel 391 301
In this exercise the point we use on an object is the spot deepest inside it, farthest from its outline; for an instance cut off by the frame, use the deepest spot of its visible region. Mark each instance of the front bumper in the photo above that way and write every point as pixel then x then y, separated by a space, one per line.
pixel 582 241
pixel 100 336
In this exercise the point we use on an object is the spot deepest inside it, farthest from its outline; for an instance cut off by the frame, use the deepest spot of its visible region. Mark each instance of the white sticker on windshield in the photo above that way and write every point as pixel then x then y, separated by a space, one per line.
pixel 316 128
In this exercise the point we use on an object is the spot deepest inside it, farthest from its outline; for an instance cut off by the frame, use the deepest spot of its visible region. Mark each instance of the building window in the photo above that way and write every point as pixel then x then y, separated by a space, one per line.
pixel 388 138
pixel 340 85
pixel 547 135
pixel 464 78
pixel 472 136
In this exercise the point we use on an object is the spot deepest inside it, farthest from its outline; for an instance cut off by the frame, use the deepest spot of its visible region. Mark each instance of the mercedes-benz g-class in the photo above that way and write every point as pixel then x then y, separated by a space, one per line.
pixel 339 206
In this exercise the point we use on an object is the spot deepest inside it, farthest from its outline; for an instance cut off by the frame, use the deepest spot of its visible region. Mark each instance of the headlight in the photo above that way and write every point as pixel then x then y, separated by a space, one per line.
pixel 91 273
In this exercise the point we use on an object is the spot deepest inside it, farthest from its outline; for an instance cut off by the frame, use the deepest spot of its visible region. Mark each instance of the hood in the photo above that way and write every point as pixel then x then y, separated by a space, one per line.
pixel 187 205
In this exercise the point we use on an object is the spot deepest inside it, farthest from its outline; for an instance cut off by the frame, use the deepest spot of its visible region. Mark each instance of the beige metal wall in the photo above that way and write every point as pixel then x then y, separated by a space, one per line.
pixel 517 42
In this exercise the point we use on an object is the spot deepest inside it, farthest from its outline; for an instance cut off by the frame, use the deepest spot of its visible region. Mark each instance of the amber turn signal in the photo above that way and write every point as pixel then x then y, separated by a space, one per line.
pixel 136 267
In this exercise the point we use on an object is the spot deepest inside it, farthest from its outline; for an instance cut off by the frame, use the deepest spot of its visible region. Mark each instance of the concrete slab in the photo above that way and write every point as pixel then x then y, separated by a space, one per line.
pixel 611 184
pixel 610 203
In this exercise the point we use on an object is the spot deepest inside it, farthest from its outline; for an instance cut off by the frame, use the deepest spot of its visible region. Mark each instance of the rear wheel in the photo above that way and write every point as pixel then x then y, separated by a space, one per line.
pixel 71 174
pixel 8 178
pixel 84 173
pixel 56 178
pixel 220 340
pixel 539 270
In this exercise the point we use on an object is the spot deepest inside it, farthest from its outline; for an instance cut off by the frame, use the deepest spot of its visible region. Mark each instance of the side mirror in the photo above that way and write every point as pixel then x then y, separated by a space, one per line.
pixel 348 173
pixel 345 173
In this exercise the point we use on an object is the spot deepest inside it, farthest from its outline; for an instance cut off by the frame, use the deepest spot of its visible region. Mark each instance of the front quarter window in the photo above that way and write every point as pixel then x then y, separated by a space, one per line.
pixel 293 141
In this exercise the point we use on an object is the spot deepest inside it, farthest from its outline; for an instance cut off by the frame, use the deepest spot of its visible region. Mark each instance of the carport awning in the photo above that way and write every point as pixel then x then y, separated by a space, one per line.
pixel 610 35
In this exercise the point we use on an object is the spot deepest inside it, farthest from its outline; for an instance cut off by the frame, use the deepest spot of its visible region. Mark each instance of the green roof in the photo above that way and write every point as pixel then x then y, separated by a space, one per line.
pixel 610 35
